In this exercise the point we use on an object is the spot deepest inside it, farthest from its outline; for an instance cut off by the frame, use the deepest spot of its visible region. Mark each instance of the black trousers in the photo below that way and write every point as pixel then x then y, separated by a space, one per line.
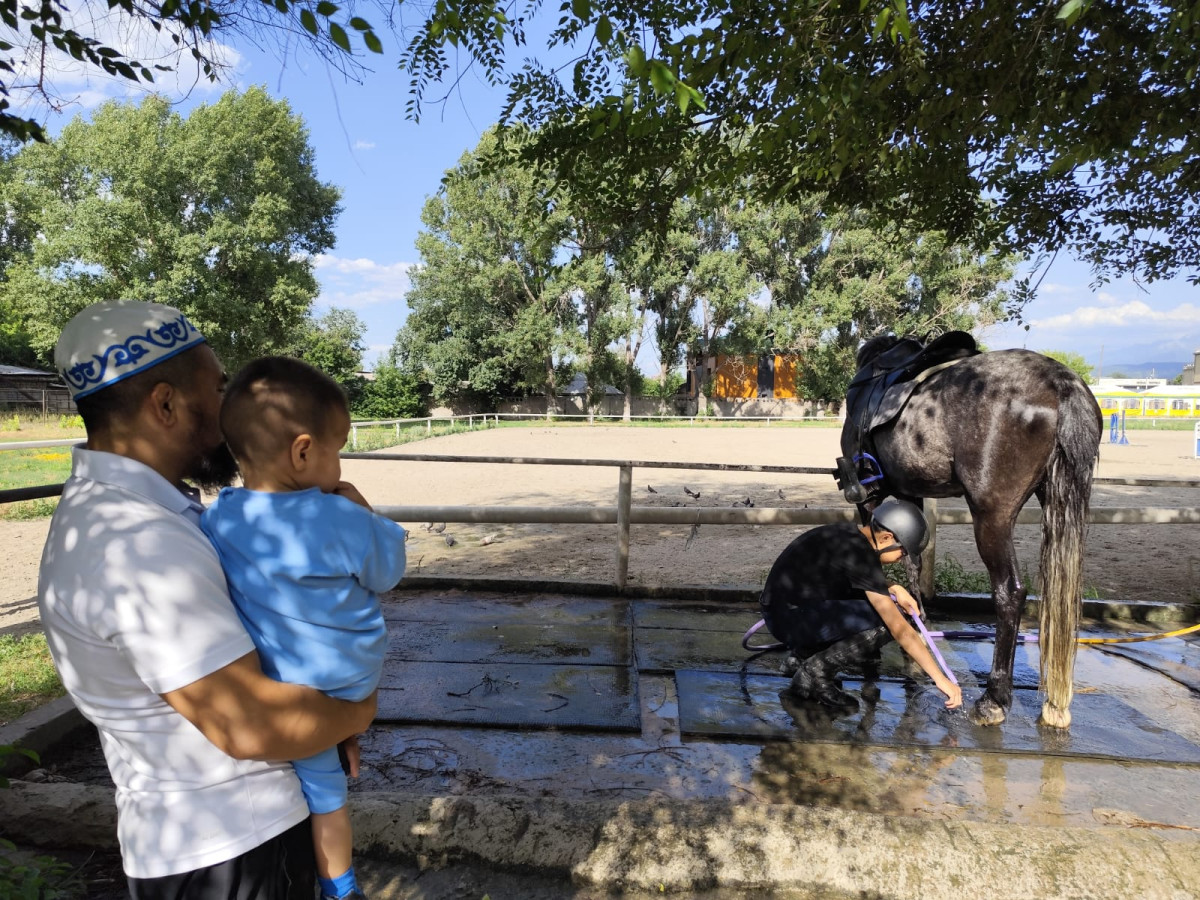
pixel 283 868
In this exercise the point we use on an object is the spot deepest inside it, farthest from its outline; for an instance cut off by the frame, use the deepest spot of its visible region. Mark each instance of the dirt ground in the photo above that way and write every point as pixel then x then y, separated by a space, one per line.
pixel 1124 562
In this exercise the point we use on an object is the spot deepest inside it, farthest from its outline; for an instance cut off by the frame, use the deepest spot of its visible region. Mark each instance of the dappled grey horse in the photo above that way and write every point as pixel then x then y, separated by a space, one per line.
pixel 997 428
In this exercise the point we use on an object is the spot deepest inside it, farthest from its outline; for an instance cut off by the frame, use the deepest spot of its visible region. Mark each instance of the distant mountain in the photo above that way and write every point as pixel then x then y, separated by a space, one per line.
pixel 1167 370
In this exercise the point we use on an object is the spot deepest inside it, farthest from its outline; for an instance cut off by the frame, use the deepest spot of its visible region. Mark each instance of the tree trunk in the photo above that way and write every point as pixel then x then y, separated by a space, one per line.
pixel 551 402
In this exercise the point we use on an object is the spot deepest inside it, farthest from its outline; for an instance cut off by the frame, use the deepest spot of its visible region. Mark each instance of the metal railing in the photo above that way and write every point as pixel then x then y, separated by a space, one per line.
pixel 589 418
pixel 624 514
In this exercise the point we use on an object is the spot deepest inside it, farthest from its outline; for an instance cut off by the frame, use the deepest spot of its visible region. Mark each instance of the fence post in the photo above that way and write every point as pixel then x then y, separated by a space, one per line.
pixel 624 502
pixel 429 425
pixel 354 437
pixel 397 431
pixel 929 556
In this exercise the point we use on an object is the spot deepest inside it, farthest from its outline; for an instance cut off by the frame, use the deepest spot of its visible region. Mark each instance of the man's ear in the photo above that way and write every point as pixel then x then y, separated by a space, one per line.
pixel 163 403
pixel 300 450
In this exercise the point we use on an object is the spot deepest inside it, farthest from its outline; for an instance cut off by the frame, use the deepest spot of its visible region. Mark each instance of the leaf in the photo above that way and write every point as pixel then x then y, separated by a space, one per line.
pixel 360 24
pixel 309 21
pixel 372 41
pixel 636 59
pixel 661 77
pixel 326 9
pixel 582 9
pixel 603 30
pixel 1070 10
pixel 337 34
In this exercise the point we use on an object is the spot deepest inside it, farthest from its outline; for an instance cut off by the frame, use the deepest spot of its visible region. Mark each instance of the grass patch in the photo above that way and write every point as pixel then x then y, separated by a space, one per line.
pixel 37 466
pixel 949 577
pixel 17 427
pixel 27 675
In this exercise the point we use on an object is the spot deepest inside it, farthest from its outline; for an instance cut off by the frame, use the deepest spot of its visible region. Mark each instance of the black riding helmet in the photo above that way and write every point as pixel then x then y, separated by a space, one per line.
pixel 905 521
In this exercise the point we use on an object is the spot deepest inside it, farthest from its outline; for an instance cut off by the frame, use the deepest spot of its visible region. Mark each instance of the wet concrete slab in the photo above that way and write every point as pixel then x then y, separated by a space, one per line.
pixel 714 704
pixel 516 695
pixel 494 729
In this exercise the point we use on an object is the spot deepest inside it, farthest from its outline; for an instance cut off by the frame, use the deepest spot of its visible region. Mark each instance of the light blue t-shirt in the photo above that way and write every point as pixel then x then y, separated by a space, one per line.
pixel 303 569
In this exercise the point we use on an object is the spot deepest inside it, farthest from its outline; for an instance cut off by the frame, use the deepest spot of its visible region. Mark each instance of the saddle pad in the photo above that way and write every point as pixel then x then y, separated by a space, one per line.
pixel 602 698
pixel 716 704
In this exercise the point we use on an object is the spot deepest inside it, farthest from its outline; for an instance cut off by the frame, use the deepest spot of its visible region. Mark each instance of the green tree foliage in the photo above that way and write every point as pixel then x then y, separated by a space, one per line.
pixel 1037 125
pixel 732 275
pixel 334 344
pixel 41 36
pixel 391 394
pixel 1075 362
pixel 489 313
pixel 217 214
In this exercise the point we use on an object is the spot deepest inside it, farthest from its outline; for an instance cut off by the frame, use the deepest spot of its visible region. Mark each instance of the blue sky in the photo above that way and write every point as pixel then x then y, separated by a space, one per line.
pixel 387 166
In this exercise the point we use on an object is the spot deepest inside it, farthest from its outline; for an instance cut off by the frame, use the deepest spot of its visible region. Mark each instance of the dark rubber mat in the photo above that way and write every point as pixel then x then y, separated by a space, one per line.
pixel 665 650
pixel 715 704
pixel 660 650
pixel 495 609
pixel 512 695
pixel 976 657
pixel 1158 657
pixel 477 642
pixel 734 618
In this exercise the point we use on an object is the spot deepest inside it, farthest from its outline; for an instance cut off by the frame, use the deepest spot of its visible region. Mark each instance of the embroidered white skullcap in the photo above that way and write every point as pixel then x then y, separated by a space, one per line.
pixel 108 342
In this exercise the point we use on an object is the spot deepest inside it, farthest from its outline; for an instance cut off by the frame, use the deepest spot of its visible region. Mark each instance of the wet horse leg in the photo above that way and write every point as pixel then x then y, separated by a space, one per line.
pixel 993 536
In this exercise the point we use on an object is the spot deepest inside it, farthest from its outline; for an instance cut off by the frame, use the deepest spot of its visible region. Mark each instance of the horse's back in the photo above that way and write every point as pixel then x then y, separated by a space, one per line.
pixel 1005 411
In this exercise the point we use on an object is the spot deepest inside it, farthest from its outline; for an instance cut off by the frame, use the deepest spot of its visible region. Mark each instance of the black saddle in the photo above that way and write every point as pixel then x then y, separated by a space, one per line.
pixel 877 395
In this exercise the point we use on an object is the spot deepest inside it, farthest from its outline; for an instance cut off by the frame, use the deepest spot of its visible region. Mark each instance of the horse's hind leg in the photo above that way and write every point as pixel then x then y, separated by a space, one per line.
pixel 993 535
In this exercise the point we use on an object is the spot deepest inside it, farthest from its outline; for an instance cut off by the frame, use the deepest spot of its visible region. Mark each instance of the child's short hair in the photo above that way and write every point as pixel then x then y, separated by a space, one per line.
pixel 274 400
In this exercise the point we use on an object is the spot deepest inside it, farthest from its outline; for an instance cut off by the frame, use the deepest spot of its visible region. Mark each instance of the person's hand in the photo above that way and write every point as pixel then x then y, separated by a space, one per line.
pixel 350 492
pixel 904 600
pixel 952 691
pixel 351 755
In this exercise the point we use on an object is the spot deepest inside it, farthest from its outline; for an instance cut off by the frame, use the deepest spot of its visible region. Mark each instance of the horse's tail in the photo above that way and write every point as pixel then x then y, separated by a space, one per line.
pixel 1066 496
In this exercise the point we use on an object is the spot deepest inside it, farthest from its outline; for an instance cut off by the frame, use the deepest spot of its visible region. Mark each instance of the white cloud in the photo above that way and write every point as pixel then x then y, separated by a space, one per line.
pixel 1052 288
pixel 1130 314
pixel 364 145
pixel 358 283
pixel 73 84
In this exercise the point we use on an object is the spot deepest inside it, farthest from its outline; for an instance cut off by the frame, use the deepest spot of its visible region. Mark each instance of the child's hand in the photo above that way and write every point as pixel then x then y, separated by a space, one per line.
pixel 904 600
pixel 952 691
pixel 350 492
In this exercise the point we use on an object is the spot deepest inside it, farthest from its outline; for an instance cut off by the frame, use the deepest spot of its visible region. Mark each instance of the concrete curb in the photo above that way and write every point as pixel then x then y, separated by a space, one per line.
pixel 687 846
pixel 39 730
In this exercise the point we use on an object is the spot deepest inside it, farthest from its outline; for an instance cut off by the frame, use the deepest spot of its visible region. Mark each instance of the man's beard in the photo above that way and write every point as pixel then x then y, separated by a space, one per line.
pixel 215 469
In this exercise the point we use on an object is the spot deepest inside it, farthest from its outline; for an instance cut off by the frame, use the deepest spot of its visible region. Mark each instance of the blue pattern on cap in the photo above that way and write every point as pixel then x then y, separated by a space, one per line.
pixel 90 375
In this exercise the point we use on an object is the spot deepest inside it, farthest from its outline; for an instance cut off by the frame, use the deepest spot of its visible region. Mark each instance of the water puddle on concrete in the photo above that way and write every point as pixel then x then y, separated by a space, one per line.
pixel 647 672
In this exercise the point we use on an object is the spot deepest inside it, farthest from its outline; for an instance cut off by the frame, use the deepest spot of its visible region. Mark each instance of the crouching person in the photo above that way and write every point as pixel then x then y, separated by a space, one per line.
pixel 827 599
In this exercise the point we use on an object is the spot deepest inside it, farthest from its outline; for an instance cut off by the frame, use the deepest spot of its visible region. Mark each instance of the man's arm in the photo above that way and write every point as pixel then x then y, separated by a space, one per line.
pixel 250 716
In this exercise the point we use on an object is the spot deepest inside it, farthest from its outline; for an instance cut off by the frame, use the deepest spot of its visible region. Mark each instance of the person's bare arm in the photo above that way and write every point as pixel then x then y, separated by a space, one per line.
pixel 250 716
pixel 910 642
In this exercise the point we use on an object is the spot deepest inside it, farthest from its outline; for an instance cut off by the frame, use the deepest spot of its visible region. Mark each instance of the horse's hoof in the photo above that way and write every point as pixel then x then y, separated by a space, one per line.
pixel 987 712
pixel 1055 716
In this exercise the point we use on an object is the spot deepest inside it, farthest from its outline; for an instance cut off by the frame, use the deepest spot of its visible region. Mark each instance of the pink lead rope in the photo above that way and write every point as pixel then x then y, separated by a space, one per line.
pixel 937 654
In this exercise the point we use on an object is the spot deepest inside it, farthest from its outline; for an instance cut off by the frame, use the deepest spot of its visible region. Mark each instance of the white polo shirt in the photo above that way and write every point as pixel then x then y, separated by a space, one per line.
pixel 134 604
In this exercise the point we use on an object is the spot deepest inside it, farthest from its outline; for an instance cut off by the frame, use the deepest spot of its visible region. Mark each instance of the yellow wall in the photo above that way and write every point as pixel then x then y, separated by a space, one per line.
pixel 736 377
pixel 786 368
